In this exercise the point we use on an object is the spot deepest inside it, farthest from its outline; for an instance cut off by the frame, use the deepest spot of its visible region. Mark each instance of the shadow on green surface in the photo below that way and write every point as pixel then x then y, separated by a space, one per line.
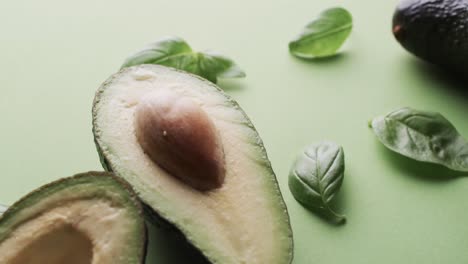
pixel 436 74
pixel 168 247
pixel 231 85
pixel 325 60
pixel 419 170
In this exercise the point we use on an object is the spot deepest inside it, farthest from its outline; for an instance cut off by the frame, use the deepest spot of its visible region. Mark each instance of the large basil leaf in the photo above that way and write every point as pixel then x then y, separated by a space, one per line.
pixel 323 36
pixel 175 52
pixel 316 177
pixel 423 136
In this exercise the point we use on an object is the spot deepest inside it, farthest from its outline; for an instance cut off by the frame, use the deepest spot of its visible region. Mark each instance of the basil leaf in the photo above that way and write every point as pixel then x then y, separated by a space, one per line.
pixel 316 177
pixel 323 36
pixel 423 136
pixel 175 52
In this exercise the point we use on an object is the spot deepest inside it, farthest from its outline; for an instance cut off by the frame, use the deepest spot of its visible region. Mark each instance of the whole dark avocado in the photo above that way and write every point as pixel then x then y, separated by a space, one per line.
pixel 435 31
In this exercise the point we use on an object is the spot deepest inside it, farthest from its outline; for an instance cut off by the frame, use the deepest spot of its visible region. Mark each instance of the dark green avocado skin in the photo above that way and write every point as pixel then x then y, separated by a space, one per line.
pixel 435 31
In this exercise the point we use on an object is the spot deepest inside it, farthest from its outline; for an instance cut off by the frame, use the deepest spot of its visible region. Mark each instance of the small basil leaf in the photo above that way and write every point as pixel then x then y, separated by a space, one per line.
pixel 323 36
pixel 316 176
pixel 423 136
pixel 175 52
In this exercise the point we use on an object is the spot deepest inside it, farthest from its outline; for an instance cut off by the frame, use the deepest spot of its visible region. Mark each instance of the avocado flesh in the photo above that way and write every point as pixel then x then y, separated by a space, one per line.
pixel 243 221
pixel 435 31
pixel 91 218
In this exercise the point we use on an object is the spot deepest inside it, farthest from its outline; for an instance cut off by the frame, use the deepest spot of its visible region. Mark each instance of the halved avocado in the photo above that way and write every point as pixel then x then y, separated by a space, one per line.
pixel 91 218
pixel 196 160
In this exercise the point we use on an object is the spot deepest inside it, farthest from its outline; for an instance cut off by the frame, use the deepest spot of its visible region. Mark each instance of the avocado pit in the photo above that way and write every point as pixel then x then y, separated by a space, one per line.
pixel 179 136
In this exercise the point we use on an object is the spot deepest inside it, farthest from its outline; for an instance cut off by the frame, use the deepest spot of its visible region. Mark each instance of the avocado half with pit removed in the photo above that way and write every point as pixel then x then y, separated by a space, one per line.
pixel 91 218
pixel 196 160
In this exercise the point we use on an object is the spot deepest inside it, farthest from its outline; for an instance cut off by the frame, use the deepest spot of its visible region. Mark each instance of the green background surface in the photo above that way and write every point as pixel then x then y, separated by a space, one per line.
pixel 54 54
